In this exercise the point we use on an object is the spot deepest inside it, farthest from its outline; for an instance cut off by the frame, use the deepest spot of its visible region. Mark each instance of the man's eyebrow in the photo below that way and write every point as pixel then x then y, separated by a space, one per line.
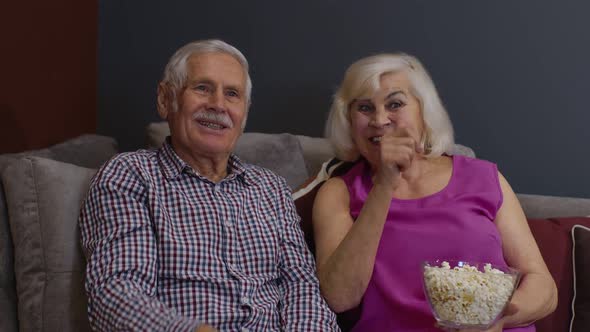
pixel 208 81
pixel 233 87
pixel 200 80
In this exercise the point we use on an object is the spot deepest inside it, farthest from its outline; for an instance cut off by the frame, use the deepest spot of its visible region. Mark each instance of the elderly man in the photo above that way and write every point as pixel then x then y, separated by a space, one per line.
pixel 188 237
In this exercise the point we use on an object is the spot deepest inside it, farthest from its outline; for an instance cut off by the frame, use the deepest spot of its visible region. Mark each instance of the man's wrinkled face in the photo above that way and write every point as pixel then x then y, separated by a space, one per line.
pixel 211 107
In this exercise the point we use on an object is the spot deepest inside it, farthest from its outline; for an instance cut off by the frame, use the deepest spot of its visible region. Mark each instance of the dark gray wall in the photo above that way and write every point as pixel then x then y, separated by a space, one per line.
pixel 512 73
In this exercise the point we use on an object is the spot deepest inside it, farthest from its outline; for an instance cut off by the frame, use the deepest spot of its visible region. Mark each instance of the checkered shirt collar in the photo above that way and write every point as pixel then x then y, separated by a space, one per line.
pixel 173 166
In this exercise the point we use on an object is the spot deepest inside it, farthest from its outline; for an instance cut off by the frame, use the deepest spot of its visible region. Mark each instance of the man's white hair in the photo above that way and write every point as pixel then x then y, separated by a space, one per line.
pixel 363 78
pixel 176 73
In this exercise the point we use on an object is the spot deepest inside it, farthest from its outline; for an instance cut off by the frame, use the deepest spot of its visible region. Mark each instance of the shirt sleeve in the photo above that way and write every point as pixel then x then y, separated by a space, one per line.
pixel 303 308
pixel 120 248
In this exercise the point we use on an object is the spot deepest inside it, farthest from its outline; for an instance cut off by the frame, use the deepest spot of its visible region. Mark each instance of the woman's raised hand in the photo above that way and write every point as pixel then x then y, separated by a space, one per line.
pixel 398 148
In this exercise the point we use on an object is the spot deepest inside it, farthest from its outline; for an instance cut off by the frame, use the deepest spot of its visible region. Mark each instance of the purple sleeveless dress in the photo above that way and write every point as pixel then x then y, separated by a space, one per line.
pixel 454 223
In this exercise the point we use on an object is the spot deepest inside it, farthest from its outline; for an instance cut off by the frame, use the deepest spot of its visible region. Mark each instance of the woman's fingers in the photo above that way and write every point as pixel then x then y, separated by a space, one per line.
pixel 398 149
pixel 510 309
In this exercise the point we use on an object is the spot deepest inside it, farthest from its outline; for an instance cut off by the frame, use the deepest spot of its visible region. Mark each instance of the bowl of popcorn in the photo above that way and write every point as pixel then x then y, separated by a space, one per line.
pixel 468 295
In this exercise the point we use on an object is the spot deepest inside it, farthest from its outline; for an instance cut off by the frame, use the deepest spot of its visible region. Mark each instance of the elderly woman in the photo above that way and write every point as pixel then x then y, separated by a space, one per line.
pixel 405 201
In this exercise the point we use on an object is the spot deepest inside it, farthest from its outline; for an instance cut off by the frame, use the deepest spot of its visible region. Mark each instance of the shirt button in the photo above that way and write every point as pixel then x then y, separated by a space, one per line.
pixel 228 224
pixel 245 300
pixel 245 329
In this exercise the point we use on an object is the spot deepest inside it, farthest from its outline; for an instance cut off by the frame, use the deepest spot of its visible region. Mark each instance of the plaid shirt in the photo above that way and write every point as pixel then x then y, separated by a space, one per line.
pixel 168 249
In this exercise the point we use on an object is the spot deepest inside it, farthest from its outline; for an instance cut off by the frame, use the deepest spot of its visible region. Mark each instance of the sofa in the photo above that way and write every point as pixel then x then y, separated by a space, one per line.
pixel 42 265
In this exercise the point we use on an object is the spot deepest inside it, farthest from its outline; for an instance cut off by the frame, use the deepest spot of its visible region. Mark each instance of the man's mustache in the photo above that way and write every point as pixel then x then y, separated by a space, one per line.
pixel 217 117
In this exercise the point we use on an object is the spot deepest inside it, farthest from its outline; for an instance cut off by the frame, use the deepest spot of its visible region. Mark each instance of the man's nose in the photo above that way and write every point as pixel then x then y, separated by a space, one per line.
pixel 217 100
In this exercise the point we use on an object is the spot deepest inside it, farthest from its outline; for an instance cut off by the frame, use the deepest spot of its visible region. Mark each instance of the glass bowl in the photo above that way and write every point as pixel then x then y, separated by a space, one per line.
pixel 468 295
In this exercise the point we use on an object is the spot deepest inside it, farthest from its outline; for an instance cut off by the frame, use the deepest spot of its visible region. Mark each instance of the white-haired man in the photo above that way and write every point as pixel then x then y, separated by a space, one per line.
pixel 188 237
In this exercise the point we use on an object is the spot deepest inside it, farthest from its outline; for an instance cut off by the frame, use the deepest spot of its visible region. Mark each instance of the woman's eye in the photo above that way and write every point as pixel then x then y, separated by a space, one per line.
pixel 364 108
pixel 395 105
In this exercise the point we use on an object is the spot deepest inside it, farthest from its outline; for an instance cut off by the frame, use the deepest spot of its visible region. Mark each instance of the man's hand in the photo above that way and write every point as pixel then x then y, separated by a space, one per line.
pixel 205 328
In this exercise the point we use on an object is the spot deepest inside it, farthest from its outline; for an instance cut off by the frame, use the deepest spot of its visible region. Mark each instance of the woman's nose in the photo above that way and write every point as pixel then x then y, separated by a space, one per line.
pixel 381 119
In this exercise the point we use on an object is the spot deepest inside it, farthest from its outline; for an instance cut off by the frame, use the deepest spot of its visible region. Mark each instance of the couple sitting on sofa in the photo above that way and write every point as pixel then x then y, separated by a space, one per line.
pixel 188 237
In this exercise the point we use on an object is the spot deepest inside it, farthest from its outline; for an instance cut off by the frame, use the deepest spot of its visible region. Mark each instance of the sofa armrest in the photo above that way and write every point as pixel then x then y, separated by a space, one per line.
pixel 541 206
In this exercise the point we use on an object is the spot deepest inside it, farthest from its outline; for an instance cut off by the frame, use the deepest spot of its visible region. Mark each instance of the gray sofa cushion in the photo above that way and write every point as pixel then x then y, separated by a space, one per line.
pixel 44 197
pixel 156 134
pixel 85 150
pixel 316 151
pixel 9 320
pixel 458 149
pixel 541 206
pixel 281 153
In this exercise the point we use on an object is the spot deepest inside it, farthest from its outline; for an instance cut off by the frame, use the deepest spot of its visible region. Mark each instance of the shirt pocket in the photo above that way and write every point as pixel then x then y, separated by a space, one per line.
pixel 258 237
pixel 190 245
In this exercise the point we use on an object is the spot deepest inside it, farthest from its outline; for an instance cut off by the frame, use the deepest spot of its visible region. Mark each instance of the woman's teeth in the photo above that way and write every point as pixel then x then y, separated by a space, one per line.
pixel 375 139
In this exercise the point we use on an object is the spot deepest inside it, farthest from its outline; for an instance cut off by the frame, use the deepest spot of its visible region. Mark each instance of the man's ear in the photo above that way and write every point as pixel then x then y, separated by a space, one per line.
pixel 165 99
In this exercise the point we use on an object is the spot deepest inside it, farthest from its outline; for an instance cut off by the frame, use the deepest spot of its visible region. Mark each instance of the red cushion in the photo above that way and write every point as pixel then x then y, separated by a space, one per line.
pixel 304 205
pixel 553 237
pixel 581 255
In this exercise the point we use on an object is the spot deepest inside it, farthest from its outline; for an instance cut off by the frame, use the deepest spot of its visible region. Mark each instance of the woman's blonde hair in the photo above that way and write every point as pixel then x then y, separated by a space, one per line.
pixel 363 78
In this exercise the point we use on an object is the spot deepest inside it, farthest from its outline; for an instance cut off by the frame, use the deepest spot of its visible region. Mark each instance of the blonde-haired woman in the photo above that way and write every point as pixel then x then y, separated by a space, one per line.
pixel 405 201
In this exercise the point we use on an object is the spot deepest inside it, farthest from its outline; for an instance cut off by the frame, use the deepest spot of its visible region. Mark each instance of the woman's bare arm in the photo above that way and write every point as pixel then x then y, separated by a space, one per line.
pixel 536 297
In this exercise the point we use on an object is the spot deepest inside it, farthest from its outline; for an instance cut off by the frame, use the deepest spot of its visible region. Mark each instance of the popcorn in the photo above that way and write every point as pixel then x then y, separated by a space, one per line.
pixel 466 296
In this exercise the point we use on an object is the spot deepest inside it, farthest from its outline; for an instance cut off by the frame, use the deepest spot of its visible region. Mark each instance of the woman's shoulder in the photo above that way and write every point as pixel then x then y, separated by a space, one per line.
pixel 460 162
pixel 475 174
pixel 353 170
pixel 331 195
pixel 333 184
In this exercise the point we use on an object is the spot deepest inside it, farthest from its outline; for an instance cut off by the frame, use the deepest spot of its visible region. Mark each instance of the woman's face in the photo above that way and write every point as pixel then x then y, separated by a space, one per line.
pixel 391 106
